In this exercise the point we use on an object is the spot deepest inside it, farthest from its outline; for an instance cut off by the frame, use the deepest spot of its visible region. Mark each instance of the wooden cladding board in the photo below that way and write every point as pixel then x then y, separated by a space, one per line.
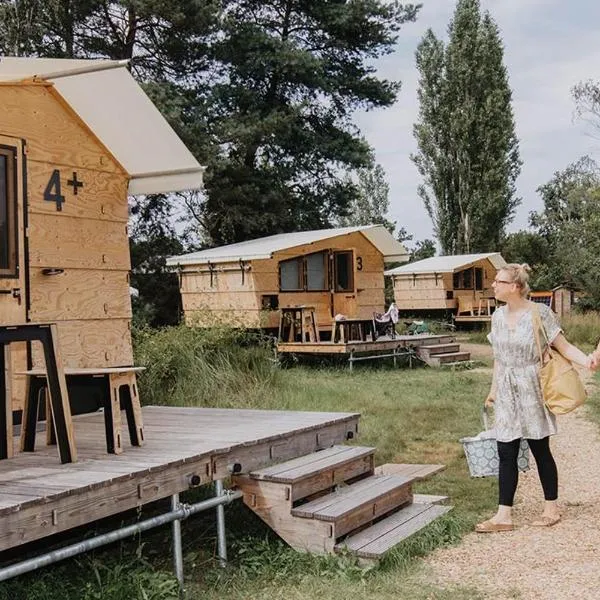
pixel 54 133
pixel 79 294
pixel 103 194
pixel 91 344
pixel 67 243
pixel 254 319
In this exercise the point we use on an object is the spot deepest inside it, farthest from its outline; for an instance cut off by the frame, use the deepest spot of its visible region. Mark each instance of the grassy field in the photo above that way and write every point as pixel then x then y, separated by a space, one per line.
pixel 413 415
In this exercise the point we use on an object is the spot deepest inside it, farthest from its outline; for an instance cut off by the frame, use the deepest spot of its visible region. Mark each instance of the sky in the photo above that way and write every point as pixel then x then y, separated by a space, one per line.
pixel 549 46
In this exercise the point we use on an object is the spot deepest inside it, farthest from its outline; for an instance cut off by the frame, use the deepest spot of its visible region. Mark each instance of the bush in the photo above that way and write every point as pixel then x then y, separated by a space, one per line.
pixel 203 367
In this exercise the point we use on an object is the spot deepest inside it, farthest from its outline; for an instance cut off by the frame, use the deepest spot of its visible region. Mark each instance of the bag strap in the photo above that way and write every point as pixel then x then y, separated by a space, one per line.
pixel 537 325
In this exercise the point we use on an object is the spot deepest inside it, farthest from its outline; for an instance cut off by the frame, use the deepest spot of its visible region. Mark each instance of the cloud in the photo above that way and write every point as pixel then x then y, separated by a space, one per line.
pixel 549 47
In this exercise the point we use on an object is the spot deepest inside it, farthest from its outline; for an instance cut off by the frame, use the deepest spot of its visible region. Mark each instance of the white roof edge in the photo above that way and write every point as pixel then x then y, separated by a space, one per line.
pixel 264 248
pixel 435 264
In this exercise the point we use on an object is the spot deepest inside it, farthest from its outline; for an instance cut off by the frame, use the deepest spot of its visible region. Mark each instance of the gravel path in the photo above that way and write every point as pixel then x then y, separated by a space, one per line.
pixel 530 563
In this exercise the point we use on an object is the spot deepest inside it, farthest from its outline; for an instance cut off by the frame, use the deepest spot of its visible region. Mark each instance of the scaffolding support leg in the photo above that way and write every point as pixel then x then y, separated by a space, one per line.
pixel 177 549
pixel 221 538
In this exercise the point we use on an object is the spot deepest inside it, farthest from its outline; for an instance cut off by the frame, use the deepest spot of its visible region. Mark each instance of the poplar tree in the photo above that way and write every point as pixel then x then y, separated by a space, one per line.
pixel 468 152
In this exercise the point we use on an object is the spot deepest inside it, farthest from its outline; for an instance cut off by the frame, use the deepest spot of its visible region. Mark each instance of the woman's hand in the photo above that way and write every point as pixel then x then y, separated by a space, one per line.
pixel 594 360
pixel 489 401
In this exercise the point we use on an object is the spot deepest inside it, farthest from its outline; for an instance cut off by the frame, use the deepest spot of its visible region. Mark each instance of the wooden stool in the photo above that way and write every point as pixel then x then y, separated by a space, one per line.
pixel 298 321
pixel 46 333
pixel 121 394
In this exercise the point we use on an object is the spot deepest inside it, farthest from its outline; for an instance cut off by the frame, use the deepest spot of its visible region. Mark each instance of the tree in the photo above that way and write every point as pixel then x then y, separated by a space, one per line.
pixel 371 204
pixel 468 152
pixel 292 74
pixel 587 103
pixel 570 223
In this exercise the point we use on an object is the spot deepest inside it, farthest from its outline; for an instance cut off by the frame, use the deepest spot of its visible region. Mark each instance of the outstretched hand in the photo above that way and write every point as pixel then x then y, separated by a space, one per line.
pixel 595 360
pixel 489 402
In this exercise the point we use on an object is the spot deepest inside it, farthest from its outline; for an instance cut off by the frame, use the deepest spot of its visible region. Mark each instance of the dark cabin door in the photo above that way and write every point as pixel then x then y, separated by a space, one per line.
pixel 13 305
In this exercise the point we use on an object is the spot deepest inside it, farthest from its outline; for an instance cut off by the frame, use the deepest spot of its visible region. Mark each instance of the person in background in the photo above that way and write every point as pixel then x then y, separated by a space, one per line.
pixel 516 394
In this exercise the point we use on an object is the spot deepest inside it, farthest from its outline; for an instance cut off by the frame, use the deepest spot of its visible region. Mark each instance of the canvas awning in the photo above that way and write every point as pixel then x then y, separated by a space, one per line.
pixel 116 109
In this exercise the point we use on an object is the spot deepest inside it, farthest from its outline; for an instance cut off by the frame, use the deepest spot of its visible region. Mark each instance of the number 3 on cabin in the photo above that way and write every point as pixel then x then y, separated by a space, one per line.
pixel 53 193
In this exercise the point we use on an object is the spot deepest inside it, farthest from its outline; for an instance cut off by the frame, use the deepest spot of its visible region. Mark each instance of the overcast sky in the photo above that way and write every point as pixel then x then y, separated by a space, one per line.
pixel 550 45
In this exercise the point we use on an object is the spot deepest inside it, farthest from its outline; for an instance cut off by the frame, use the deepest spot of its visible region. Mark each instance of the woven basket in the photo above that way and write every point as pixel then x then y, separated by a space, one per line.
pixel 482 452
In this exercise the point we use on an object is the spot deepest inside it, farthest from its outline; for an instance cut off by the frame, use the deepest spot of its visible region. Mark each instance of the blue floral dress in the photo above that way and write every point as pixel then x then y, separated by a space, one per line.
pixel 519 407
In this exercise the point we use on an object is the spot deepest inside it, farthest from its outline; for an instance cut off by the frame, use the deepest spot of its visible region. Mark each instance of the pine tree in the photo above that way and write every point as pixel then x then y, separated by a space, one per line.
pixel 468 152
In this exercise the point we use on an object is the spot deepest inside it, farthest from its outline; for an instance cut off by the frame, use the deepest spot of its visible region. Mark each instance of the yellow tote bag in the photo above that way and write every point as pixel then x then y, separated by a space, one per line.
pixel 561 385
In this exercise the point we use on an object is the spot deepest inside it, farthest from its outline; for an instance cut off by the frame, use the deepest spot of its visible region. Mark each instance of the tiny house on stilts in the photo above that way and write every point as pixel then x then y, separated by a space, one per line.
pixel 460 285
pixel 76 138
pixel 335 271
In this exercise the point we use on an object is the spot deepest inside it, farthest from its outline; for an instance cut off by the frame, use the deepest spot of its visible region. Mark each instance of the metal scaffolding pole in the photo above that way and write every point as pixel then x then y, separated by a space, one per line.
pixel 221 539
pixel 177 551
pixel 183 512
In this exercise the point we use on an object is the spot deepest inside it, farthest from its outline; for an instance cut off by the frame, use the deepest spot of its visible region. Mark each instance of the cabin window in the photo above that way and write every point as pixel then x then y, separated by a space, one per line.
pixel 467 279
pixel 457 280
pixel 344 274
pixel 8 212
pixel 316 272
pixel 290 273
pixel 269 302
pixel 478 278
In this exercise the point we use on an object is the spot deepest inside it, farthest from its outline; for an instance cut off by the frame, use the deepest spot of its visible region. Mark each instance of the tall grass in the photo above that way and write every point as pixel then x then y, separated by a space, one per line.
pixel 204 367
pixel 582 329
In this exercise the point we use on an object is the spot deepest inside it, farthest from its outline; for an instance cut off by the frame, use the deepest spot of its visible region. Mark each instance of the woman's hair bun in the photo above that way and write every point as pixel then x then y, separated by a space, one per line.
pixel 525 267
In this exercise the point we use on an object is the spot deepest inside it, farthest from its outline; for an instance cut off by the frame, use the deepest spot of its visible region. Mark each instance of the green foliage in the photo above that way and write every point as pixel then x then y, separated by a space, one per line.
pixel 292 74
pixel 468 152
pixel 371 204
pixel 582 329
pixel 204 367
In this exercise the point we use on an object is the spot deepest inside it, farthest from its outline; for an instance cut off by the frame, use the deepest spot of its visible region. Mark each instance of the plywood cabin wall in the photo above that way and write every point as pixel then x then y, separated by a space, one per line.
pixel 86 242
pixel 238 302
pixel 426 291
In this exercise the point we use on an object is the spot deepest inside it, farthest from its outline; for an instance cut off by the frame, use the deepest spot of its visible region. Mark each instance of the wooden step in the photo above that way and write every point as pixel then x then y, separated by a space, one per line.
pixel 352 506
pixel 450 357
pixel 433 349
pixel 429 499
pixel 373 542
pixel 319 471
pixel 415 472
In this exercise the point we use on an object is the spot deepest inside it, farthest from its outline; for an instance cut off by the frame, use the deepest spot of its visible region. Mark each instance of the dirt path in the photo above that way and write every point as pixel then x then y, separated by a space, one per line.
pixel 541 564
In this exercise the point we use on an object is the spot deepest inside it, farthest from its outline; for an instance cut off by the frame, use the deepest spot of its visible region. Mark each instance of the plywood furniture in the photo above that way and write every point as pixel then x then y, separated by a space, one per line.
pixel 46 334
pixel 298 322
pixel 121 393
pixel 352 330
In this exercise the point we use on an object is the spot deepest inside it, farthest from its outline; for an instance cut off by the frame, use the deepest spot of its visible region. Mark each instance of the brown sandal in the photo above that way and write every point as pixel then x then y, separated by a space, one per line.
pixel 546 522
pixel 491 527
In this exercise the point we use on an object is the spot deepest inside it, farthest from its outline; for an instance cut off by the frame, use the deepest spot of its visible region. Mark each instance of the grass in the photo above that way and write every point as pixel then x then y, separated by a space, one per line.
pixel 413 415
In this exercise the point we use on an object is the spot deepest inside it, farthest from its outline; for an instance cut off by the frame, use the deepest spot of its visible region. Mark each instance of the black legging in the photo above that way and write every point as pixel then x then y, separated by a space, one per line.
pixel 509 473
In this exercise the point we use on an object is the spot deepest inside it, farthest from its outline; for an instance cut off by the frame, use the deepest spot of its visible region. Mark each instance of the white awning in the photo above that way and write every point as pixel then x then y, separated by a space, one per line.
pixel 112 104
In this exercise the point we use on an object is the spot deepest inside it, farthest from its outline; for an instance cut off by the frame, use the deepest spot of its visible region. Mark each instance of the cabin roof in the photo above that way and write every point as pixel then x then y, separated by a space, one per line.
pixel 114 107
pixel 265 247
pixel 447 264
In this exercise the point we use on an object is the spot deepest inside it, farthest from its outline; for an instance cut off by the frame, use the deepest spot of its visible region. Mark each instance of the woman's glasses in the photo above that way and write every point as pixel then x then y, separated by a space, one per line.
pixel 502 281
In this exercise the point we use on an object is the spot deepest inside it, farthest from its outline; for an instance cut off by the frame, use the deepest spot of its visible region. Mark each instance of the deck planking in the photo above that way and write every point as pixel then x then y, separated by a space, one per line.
pixel 39 496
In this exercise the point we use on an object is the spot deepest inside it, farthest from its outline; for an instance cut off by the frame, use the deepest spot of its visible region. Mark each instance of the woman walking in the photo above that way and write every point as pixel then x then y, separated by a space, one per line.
pixel 516 394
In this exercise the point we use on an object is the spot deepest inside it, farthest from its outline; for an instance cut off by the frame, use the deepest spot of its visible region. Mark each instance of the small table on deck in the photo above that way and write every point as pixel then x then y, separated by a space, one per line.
pixel 352 330
pixel 116 378
pixel 486 303
pixel 298 319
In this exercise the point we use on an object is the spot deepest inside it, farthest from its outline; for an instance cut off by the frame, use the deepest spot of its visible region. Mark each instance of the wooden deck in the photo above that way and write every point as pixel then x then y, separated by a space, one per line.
pixel 380 345
pixel 184 447
pixel 473 319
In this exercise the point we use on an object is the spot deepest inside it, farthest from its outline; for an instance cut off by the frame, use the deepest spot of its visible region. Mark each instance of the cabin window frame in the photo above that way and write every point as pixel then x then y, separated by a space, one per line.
pixel 350 270
pixel 9 202
pixel 303 273
pixel 300 261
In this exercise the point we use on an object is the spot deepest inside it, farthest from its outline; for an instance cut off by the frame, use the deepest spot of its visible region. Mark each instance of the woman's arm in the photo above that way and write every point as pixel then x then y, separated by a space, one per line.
pixel 491 397
pixel 571 352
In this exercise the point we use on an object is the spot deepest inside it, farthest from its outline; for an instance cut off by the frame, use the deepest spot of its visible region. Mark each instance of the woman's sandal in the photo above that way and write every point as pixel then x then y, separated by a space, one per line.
pixel 546 522
pixel 491 527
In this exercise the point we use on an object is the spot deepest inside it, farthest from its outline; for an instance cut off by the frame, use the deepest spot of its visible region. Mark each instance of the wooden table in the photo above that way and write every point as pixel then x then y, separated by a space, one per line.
pixel 486 303
pixel 352 330
pixel 116 378
pixel 300 320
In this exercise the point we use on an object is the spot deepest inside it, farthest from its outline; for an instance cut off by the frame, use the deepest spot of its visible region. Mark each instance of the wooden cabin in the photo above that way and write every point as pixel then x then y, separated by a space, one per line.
pixel 460 284
pixel 336 271
pixel 76 138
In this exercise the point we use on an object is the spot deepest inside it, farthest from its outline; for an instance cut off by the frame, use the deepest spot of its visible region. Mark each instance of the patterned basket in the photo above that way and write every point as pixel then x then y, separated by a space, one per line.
pixel 482 452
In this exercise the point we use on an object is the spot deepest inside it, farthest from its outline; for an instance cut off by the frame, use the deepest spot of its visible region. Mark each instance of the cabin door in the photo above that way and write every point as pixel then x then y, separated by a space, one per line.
pixel 343 292
pixel 13 305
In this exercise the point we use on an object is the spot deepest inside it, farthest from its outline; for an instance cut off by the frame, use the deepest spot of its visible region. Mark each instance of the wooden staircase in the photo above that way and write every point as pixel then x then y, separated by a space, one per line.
pixel 448 354
pixel 334 499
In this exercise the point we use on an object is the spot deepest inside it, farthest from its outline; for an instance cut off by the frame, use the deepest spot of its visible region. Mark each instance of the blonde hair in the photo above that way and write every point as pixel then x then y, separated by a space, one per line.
pixel 519 274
